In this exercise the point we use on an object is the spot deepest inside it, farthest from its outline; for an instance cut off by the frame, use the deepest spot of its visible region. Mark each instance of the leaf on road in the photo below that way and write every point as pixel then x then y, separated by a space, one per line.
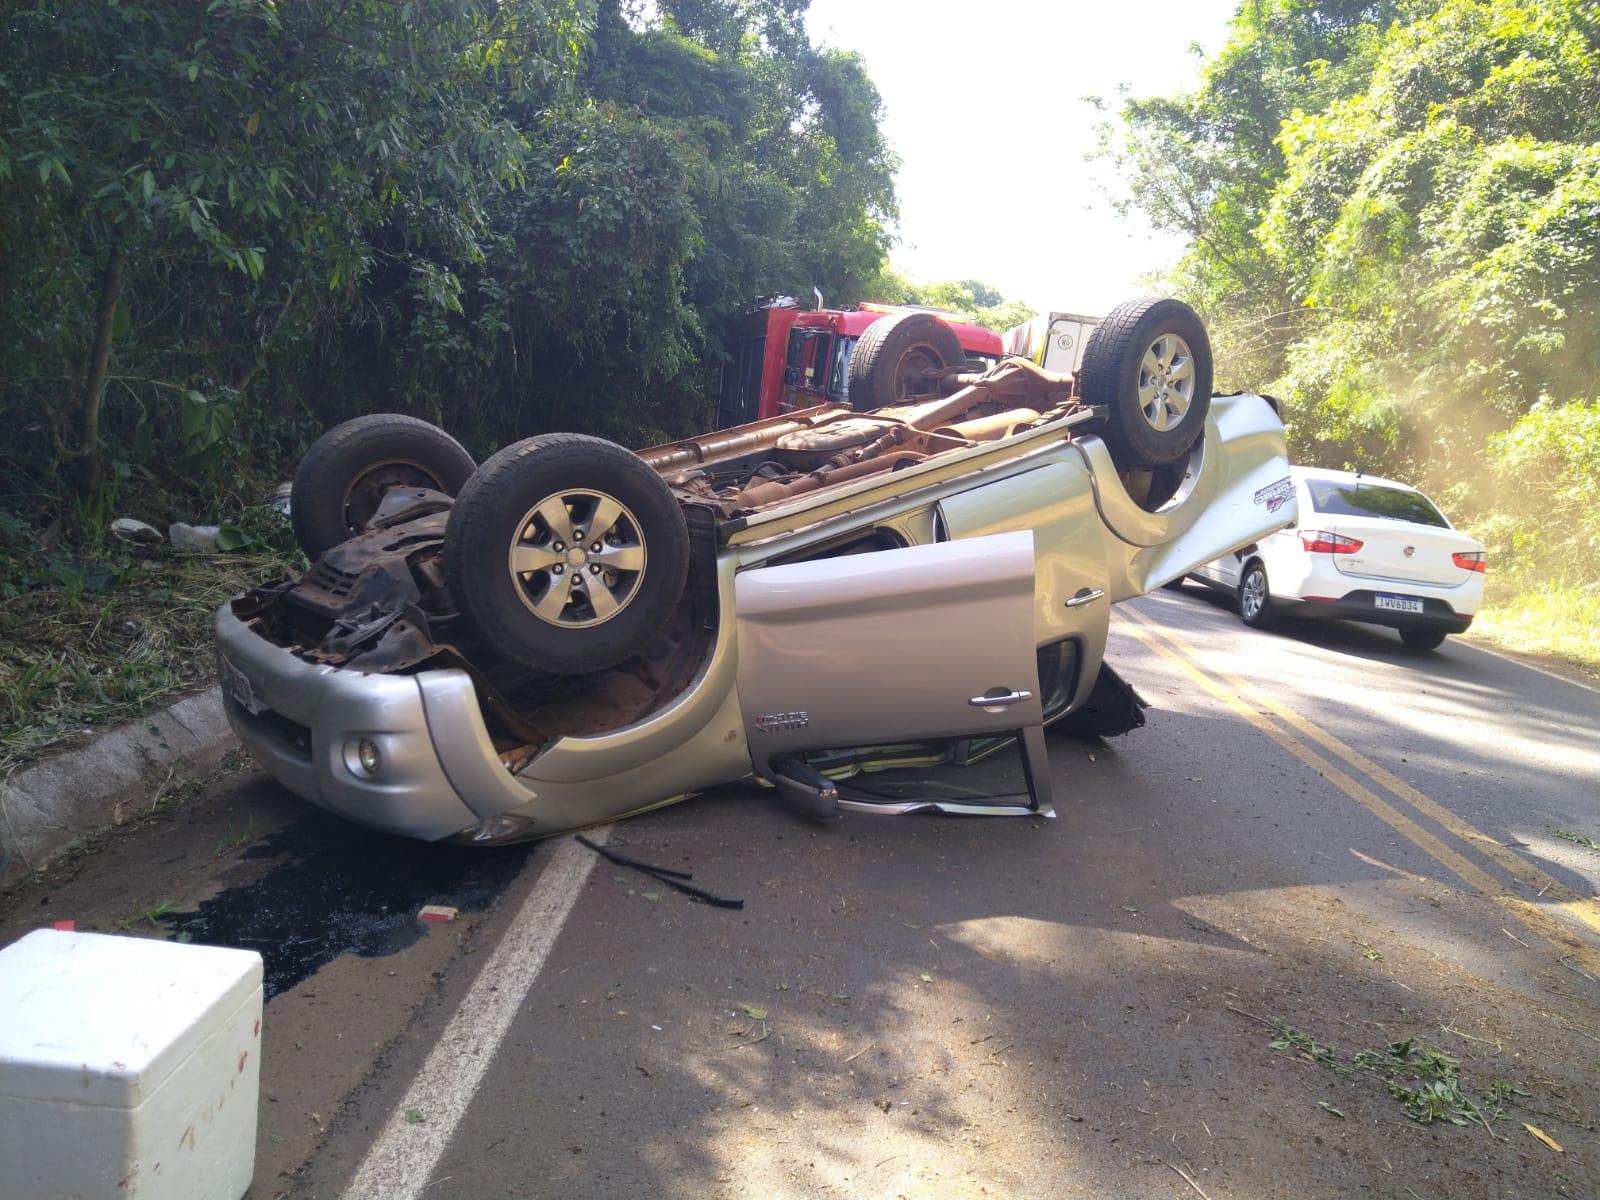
pixel 651 896
pixel 926 978
pixel 754 1011
pixel 1328 1108
pixel 1544 1137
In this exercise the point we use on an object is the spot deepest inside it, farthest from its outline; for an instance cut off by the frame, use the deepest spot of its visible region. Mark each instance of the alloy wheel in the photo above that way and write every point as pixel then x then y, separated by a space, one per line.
pixel 578 558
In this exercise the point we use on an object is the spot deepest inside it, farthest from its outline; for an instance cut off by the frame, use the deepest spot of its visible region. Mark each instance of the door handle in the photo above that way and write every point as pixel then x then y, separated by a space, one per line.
pixel 1084 596
pixel 997 700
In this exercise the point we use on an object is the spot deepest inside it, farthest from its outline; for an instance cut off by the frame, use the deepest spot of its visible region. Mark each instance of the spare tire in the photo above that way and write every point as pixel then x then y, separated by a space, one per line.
pixel 1149 364
pixel 342 479
pixel 566 552
pixel 889 362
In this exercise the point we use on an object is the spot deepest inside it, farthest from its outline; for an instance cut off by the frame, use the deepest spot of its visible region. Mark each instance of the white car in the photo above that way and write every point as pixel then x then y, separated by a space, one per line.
pixel 1364 549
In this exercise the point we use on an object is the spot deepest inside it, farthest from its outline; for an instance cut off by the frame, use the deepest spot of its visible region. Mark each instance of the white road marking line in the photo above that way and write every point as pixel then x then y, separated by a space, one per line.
pixel 402 1160
pixel 1521 662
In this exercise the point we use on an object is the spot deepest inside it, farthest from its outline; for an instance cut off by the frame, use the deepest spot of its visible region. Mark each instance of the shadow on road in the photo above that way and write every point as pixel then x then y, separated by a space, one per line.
pixel 928 1006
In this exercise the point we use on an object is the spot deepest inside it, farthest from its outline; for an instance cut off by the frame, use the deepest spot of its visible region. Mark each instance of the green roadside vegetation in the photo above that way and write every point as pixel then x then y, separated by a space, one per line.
pixel 92 636
pixel 1544 619
pixel 1393 214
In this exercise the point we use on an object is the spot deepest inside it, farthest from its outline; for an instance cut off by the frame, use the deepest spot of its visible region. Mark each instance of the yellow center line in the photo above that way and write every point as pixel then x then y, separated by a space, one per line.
pixel 1581 908
pixel 1533 917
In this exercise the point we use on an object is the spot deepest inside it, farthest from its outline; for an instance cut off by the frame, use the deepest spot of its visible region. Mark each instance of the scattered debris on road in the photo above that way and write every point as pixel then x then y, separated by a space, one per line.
pixel 674 879
pixel 1425 1079
pixel 1544 1137
pixel 439 914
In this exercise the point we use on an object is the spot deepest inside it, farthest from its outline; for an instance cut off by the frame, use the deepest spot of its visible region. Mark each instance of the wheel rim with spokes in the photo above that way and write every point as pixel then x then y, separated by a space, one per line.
pixel 1166 381
pixel 577 558
pixel 1255 593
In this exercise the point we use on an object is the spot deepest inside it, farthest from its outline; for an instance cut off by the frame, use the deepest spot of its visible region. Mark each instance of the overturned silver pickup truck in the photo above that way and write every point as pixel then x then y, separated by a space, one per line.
pixel 573 632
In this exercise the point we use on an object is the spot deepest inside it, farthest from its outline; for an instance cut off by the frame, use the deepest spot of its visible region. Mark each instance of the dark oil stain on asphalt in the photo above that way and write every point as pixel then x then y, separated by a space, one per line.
pixel 341 889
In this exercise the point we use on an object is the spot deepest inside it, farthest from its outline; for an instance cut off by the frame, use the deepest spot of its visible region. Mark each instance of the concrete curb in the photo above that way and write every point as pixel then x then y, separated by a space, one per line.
pixel 45 808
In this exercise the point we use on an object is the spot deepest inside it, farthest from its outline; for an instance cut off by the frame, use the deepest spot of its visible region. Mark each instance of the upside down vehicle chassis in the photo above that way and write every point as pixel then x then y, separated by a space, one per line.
pixel 572 632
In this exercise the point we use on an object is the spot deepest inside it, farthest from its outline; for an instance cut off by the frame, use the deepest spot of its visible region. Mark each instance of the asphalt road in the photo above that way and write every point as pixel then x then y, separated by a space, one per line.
pixel 1317 828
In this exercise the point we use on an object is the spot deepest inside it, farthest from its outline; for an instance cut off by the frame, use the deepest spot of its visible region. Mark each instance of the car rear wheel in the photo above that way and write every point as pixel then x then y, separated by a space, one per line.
pixel 1149 365
pixel 1422 639
pixel 1255 597
pixel 343 477
pixel 566 553
pixel 891 361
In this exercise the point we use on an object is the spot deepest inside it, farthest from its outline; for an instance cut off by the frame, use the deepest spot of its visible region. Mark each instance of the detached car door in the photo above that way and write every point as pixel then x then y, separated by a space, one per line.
pixel 914 644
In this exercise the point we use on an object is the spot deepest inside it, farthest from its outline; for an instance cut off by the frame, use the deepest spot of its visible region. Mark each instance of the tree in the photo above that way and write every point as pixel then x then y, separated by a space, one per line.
pixel 153 142
pixel 1206 163
pixel 223 227
pixel 1394 213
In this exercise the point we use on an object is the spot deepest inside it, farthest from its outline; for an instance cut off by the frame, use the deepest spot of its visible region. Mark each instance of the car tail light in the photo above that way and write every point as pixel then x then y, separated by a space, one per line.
pixel 1472 560
pixel 1319 541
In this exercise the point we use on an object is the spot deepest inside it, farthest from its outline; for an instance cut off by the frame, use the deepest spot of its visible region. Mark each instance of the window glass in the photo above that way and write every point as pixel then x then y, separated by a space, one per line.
pixel 807 358
pixel 797 348
pixel 1356 499
pixel 839 379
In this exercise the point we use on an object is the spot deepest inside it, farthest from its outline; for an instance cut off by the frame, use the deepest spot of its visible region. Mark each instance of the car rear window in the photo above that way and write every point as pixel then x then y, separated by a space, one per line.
pixel 1373 500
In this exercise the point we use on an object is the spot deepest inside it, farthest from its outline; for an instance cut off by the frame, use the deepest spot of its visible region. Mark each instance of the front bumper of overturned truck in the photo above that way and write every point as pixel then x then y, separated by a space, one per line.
pixel 305 724
pixel 438 774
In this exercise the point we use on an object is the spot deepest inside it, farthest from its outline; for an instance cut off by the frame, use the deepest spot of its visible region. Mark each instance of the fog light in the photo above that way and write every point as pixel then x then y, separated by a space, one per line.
pixel 367 754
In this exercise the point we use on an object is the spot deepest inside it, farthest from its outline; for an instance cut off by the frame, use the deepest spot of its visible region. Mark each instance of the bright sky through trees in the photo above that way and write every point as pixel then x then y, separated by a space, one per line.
pixel 984 107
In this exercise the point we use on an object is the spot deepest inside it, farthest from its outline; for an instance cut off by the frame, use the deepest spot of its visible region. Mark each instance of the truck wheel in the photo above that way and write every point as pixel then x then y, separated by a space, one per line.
pixel 566 552
pixel 341 480
pixel 1149 364
pixel 889 361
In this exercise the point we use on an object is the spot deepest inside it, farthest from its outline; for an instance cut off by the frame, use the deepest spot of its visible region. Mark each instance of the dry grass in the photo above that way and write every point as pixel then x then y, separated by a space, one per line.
pixel 122 633
pixel 1547 619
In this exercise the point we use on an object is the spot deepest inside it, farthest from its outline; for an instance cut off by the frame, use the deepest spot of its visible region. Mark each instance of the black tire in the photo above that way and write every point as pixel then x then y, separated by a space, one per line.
pixel 341 480
pixel 496 511
pixel 1254 615
pixel 1423 639
pixel 888 363
pixel 1114 371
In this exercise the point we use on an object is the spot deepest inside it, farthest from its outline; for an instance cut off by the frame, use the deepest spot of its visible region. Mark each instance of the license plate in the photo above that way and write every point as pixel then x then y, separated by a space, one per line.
pixel 1405 604
pixel 238 685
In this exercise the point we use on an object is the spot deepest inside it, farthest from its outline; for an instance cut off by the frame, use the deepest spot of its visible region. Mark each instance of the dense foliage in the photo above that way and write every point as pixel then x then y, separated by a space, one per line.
pixel 224 226
pixel 1394 214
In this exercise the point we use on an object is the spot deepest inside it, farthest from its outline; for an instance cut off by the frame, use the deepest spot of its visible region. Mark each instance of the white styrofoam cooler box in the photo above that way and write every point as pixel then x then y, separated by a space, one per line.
pixel 128 1068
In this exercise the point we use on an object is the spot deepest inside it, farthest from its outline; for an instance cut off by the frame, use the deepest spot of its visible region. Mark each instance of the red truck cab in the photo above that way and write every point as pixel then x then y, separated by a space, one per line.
pixel 786 358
